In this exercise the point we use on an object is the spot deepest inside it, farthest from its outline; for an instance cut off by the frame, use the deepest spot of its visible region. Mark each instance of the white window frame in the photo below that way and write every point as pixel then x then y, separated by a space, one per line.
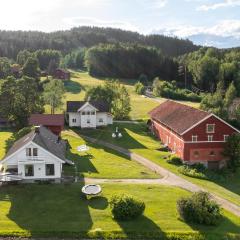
pixel 225 137
pixel 210 138
pixel 196 138
pixel 212 124
pixel 74 120
pixel 28 152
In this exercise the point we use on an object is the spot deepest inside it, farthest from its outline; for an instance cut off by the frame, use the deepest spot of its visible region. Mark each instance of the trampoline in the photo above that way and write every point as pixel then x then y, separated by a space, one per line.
pixel 91 190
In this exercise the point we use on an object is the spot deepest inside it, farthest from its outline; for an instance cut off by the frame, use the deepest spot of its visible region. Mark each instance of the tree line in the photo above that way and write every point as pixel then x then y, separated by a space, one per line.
pixel 11 42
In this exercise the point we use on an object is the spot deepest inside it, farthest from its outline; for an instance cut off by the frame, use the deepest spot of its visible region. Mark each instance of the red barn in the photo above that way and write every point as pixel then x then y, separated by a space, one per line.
pixel 192 134
pixel 62 74
pixel 54 122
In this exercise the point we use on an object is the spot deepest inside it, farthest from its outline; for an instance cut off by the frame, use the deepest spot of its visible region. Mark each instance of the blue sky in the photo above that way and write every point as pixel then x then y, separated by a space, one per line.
pixel 209 20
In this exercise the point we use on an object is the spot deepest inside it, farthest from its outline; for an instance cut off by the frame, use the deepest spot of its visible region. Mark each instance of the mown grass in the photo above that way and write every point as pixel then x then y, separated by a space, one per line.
pixel 61 211
pixel 81 81
pixel 136 138
pixel 5 134
pixel 101 162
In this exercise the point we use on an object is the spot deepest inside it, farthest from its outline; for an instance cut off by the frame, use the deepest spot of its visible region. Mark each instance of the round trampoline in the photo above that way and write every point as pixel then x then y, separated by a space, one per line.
pixel 91 190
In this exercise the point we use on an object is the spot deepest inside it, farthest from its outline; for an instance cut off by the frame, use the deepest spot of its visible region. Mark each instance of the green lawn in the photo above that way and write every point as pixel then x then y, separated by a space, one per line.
pixel 81 81
pixel 60 210
pixel 139 141
pixel 4 135
pixel 102 162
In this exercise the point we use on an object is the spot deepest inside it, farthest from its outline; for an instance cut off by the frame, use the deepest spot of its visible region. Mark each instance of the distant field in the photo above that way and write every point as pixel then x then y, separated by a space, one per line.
pixel 81 81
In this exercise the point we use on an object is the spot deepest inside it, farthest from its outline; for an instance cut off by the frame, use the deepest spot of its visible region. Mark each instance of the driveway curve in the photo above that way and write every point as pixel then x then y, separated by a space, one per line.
pixel 169 178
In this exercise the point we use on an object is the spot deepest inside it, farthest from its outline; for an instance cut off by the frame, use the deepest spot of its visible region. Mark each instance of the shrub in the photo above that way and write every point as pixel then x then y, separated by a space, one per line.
pixel 200 171
pixel 126 207
pixel 139 88
pixel 199 208
pixel 174 160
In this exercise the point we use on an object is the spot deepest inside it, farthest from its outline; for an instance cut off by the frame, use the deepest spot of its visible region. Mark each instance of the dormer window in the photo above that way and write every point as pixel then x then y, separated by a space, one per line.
pixel 210 128
pixel 194 138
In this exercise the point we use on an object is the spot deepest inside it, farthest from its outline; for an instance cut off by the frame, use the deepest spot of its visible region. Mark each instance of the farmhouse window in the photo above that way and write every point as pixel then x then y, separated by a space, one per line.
pixel 35 152
pixel 225 137
pixel 74 120
pixel 194 138
pixel 88 113
pixel 212 153
pixel 29 170
pixel 100 120
pixel 28 152
pixel 92 113
pixel 83 113
pixel 210 138
pixel 50 171
pixel 196 154
pixel 88 121
pixel 210 128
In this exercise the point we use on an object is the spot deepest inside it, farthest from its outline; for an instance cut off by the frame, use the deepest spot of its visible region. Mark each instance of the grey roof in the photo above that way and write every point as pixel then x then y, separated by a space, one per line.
pixel 45 139
pixel 101 106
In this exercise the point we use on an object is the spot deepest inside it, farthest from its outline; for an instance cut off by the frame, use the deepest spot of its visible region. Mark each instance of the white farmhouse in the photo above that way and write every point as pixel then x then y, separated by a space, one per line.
pixel 88 114
pixel 39 155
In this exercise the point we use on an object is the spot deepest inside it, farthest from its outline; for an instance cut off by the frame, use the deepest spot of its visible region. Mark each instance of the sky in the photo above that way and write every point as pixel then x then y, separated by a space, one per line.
pixel 206 22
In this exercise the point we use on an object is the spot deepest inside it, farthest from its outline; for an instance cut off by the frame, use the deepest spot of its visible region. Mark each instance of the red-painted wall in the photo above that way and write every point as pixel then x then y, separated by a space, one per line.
pixel 55 129
pixel 200 151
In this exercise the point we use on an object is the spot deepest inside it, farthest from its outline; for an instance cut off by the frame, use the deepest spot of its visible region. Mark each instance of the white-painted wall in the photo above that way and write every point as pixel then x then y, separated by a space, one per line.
pixel 89 120
pixel 20 159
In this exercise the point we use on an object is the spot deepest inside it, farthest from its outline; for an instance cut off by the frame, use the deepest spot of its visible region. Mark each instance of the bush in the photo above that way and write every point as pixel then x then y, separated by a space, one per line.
pixel 200 171
pixel 126 207
pixel 199 208
pixel 139 88
pixel 174 160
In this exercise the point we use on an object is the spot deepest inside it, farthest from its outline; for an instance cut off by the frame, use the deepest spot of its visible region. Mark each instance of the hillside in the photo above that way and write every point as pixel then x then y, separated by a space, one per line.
pixel 11 42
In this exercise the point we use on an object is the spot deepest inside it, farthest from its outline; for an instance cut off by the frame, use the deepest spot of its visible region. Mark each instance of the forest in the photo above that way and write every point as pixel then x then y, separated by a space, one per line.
pixel 174 68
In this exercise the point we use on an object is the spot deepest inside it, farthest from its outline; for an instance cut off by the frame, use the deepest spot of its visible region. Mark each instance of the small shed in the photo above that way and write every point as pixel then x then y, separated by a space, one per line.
pixel 62 74
pixel 54 122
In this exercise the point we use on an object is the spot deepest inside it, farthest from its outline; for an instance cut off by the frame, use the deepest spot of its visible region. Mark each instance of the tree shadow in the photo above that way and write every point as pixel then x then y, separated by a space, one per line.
pixel 82 164
pixel 98 202
pixel 48 210
pixel 224 226
pixel 73 87
pixel 105 134
pixel 141 228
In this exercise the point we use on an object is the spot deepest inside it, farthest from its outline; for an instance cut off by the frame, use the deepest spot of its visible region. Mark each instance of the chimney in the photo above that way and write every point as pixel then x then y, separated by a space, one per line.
pixel 37 129
pixel 59 139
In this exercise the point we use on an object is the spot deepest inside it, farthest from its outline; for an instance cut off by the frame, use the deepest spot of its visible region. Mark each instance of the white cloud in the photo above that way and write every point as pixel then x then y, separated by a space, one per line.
pixel 225 3
pixel 226 28
pixel 84 21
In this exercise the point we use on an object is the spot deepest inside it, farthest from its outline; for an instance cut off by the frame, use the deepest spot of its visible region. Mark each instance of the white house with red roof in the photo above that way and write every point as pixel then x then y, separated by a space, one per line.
pixel 192 134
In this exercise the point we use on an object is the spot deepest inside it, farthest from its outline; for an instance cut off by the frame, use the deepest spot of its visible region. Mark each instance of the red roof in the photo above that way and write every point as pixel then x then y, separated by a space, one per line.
pixel 47 119
pixel 176 116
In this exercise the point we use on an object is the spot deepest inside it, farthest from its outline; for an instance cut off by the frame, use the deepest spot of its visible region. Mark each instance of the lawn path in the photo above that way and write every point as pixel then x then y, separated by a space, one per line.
pixel 169 178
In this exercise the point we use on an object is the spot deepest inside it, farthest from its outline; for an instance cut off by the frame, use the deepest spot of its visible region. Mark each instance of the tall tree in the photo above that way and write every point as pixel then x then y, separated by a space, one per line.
pixel 230 95
pixel 31 68
pixel 19 99
pixel 53 94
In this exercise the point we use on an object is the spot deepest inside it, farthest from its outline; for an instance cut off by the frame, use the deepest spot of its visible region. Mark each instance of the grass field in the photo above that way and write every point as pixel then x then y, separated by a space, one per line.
pixel 136 138
pixel 81 81
pixel 101 162
pixel 4 135
pixel 60 210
